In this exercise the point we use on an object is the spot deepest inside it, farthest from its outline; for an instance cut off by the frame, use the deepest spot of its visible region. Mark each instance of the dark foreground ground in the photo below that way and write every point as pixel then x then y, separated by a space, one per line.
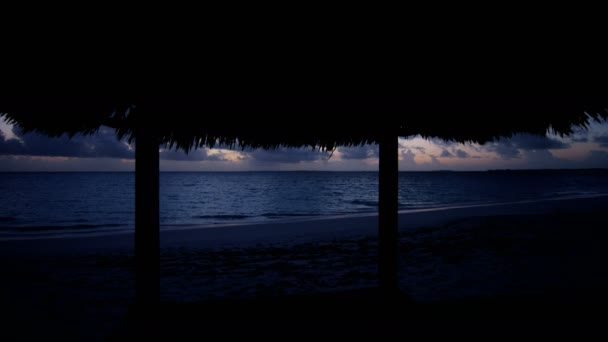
pixel 362 313
pixel 505 274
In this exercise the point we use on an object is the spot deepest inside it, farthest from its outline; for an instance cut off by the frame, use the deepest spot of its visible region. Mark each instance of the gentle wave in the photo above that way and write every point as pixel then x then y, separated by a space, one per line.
pixel 366 203
pixel 222 217
pixel 289 214
pixel 58 227
pixel 244 217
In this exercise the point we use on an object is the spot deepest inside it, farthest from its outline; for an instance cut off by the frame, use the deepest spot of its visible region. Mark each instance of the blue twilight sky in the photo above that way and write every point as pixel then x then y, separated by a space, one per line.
pixel 103 152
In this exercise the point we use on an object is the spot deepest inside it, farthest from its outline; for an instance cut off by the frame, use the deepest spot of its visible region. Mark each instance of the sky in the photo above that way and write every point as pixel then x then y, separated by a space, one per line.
pixel 103 152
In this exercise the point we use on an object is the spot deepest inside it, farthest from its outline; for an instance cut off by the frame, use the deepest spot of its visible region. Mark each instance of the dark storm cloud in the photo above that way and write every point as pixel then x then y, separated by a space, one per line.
pixel 455 153
pixel 461 154
pixel 505 149
pixel 446 154
pixel 543 159
pixel 9 147
pixel 359 152
pixel 511 148
pixel 602 140
pixel 287 155
pixel 102 144
pixel 535 142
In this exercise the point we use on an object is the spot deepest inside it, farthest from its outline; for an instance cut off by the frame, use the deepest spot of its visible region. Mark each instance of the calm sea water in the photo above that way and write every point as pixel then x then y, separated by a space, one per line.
pixel 46 203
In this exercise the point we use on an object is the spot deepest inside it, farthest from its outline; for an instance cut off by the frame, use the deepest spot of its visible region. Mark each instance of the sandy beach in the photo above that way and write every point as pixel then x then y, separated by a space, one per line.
pixel 82 286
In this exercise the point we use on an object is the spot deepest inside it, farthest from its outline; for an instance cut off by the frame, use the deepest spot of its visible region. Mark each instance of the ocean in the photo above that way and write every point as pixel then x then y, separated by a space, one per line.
pixel 40 204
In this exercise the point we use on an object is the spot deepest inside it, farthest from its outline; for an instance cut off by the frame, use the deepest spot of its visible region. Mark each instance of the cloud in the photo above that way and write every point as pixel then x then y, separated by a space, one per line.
pixel 461 154
pixel 602 140
pixel 359 152
pixel 504 149
pixel 408 158
pixel 9 146
pixel 597 158
pixel 535 142
pixel 599 154
pixel 435 161
pixel 195 155
pixel 579 135
pixel 12 163
pixel 419 149
pixel 543 159
pixel 286 155
pixel 456 152
pixel 101 145
pixel 446 154
pixel 440 142
pixel 105 145
pixel 104 152
pixel 510 148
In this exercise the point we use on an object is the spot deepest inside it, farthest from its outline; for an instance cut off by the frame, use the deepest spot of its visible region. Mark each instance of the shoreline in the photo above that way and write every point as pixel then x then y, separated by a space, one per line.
pixel 292 231
pixel 67 233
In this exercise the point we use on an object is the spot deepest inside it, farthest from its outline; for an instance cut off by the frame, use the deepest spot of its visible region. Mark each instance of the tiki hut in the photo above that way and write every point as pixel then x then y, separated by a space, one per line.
pixel 191 122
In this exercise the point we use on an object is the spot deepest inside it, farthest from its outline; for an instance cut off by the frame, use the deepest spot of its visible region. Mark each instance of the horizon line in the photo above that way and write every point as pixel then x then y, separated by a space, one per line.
pixel 327 171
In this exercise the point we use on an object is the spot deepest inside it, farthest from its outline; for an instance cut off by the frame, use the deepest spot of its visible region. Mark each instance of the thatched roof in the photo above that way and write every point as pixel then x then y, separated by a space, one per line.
pixel 318 121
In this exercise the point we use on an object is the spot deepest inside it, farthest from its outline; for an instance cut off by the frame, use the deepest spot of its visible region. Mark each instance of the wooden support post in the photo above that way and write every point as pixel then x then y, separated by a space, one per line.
pixel 388 216
pixel 147 222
